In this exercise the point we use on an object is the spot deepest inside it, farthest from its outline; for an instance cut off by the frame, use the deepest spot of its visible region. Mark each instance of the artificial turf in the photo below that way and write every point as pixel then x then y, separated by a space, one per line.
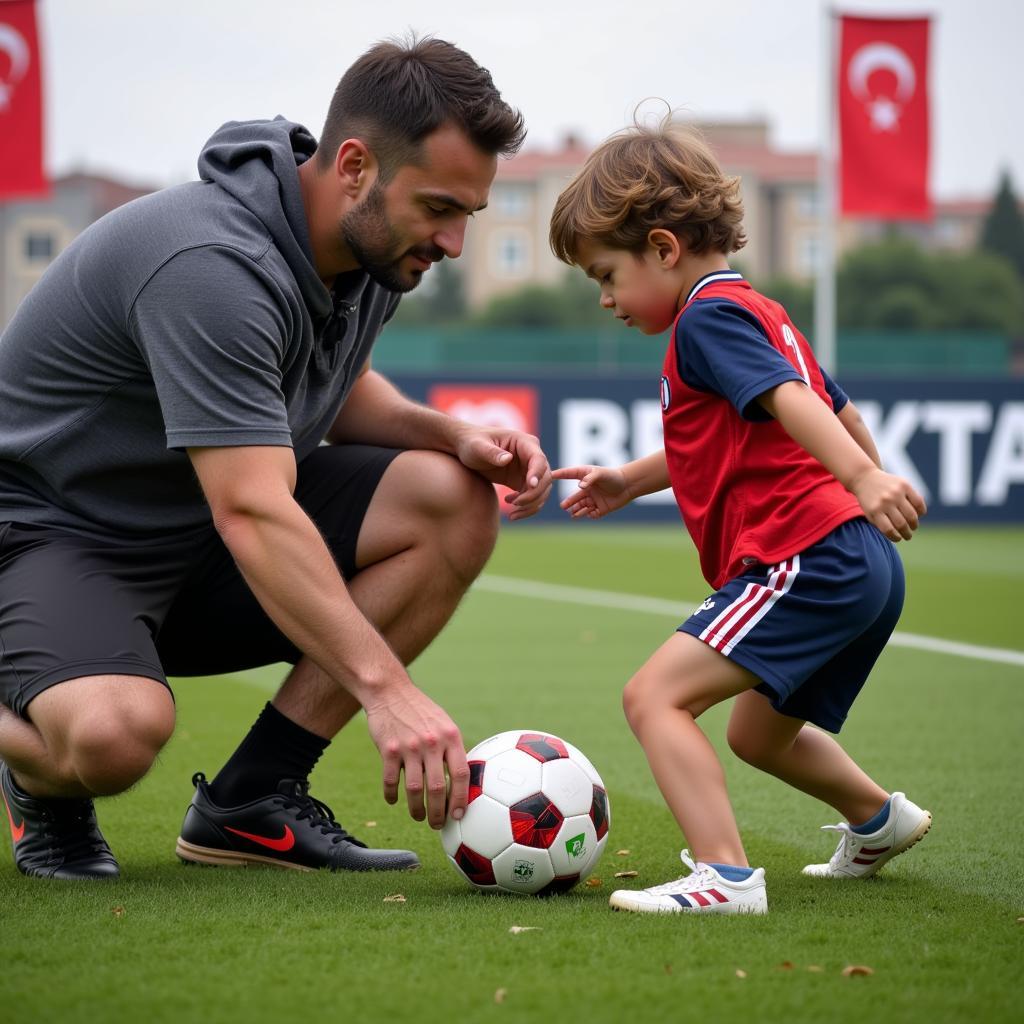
pixel 940 928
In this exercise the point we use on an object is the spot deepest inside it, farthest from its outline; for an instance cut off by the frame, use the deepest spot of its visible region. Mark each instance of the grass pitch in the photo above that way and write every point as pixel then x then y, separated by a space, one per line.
pixel 940 928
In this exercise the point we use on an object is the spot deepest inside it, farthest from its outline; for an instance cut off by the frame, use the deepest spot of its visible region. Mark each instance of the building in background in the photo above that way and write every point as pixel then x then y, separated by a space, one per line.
pixel 508 244
pixel 33 232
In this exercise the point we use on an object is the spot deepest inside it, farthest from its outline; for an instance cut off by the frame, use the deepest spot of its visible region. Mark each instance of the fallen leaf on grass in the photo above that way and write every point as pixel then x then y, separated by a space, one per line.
pixel 857 970
pixel 499 995
pixel 117 911
pixel 593 883
pixel 626 874
pixel 517 928
pixel 786 965
pixel 815 969
pixel 395 897
pixel 623 853
pixel 369 824
pixel 740 973
pixel 668 968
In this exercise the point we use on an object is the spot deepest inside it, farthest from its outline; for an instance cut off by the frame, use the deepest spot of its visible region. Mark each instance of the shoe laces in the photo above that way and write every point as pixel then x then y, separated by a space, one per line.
pixel 295 794
pixel 845 839
pixel 700 877
pixel 71 825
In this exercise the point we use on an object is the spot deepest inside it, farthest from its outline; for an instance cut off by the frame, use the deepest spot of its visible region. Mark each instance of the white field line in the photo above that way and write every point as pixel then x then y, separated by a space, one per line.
pixel 677 610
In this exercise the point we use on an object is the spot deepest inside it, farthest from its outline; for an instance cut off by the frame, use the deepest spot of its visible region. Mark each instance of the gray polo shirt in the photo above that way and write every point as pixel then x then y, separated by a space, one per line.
pixel 191 317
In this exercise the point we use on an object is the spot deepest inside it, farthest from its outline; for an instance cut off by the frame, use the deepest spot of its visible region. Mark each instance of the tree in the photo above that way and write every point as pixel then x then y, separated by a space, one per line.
pixel 1003 230
pixel 895 284
pixel 573 302
pixel 440 299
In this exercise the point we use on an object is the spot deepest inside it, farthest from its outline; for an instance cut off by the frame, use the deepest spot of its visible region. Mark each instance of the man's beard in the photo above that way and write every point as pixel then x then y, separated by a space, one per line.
pixel 375 244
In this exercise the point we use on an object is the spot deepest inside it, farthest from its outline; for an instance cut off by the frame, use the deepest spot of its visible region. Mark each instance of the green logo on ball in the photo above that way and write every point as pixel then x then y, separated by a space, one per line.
pixel 575 847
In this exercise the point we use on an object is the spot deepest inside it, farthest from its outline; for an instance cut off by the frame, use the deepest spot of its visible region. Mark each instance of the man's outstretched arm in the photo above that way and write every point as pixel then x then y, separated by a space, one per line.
pixel 289 569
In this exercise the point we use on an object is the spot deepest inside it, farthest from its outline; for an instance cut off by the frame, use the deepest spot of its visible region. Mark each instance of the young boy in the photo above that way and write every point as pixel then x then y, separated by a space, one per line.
pixel 781 488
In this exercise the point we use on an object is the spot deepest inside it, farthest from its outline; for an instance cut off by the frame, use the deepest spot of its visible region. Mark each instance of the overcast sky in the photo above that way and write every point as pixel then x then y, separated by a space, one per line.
pixel 134 87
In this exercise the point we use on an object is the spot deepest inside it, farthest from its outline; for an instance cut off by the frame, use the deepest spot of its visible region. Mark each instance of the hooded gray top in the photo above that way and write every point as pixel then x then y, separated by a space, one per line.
pixel 190 317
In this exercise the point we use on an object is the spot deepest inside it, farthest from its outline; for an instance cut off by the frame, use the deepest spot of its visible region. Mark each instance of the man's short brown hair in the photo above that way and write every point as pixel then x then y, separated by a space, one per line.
pixel 399 92
pixel 644 178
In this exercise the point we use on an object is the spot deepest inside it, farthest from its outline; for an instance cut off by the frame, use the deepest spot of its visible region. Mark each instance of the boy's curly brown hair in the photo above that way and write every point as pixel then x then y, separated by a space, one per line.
pixel 644 178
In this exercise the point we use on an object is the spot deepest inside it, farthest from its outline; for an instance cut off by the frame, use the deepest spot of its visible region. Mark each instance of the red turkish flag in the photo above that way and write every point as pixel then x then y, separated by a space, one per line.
pixel 21 103
pixel 883 117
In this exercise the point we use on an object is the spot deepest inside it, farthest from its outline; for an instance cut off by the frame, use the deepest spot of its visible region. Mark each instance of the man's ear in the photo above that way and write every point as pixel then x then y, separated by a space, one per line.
pixel 665 246
pixel 356 167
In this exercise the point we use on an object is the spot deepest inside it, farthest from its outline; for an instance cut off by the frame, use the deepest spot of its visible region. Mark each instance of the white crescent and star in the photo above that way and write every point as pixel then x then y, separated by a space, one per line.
pixel 13 44
pixel 884 111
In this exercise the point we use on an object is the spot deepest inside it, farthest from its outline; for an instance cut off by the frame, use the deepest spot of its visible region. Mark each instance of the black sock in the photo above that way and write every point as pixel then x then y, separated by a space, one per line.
pixel 275 749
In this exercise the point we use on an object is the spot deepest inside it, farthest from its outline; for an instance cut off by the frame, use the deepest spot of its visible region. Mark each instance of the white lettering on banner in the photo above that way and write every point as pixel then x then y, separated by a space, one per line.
pixel 600 432
pixel 649 436
pixel 597 431
pixel 1004 464
pixel 954 422
pixel 891 437
pixel 592 431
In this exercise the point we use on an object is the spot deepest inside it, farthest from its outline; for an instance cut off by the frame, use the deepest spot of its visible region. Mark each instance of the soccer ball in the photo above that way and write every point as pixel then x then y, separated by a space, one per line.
pixel 537 819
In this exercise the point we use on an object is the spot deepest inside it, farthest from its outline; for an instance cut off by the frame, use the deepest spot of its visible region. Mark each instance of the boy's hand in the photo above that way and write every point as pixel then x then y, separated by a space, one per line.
pixel 889 502
pixel 601 490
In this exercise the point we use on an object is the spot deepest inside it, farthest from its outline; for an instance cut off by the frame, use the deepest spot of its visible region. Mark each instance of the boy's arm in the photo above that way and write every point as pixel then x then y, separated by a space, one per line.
pixel 889 502
pixel 606 489
pixel 852 420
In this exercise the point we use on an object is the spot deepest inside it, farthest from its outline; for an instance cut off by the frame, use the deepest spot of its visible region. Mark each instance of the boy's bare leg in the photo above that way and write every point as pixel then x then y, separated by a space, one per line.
pixel 680 681
pixel 804 757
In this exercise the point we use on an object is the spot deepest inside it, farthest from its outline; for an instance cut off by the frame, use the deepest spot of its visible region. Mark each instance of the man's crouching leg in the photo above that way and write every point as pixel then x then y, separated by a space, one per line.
pixel 427 532
pixel 93 736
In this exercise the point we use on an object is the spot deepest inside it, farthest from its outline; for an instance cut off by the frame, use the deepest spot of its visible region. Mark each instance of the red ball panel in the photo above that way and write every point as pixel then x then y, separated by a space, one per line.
pixel 535 821
pixel 542 747
pixel 476 868
pixel 599 812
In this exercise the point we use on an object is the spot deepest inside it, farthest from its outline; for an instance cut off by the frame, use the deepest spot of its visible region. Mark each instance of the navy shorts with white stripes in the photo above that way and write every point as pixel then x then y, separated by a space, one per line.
pixel 812 626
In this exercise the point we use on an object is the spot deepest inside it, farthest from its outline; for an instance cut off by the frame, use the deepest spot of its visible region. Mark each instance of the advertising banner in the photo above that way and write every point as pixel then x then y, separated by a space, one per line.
pixel 961 443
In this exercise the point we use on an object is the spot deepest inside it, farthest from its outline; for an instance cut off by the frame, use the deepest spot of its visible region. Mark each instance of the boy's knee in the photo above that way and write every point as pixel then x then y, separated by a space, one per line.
pixel 749 747
pixel 111 748
pixel 636 701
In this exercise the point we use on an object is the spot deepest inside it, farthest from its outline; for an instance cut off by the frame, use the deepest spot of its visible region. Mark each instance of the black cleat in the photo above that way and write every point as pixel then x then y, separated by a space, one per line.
pixel 55 838
pixel 289 829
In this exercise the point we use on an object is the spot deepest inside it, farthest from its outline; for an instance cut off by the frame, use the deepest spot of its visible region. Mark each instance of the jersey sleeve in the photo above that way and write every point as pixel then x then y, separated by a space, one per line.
pixel 214 336
pixel 835 392
pixel 721 347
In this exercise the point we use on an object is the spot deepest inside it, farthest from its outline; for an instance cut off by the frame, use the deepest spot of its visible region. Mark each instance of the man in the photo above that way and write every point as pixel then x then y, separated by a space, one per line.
pixel 169 506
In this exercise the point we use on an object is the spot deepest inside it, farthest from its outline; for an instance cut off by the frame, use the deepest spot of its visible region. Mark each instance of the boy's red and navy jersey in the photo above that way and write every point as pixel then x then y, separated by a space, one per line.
pixel 747 491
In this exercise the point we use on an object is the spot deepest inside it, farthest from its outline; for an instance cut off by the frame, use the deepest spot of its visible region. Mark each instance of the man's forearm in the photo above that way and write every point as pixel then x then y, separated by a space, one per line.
pixel 289 569
pixel 377 413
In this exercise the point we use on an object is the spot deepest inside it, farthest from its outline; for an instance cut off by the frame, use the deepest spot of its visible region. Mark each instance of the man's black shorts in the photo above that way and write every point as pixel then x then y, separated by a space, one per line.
pixel 71 606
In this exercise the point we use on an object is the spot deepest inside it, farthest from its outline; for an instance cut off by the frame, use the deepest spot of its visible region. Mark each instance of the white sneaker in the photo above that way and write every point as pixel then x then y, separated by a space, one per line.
pixel 704 891
pixel 860 856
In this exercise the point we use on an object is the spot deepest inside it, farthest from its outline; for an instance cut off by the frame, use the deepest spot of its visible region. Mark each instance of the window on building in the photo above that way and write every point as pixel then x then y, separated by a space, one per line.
pixel 807 254
pixel 512 254
pixel 40 247
pixel 807 202
pixel 511 201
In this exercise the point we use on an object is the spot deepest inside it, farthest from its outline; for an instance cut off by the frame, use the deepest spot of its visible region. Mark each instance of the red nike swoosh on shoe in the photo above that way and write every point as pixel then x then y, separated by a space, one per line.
pixel 17 831
pixel 286 842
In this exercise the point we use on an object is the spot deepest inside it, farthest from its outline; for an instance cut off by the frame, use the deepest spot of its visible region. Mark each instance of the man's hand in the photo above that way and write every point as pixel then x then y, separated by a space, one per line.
pixel 889 502
pixel 511 458
pixel 415 736
pixel 602 490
